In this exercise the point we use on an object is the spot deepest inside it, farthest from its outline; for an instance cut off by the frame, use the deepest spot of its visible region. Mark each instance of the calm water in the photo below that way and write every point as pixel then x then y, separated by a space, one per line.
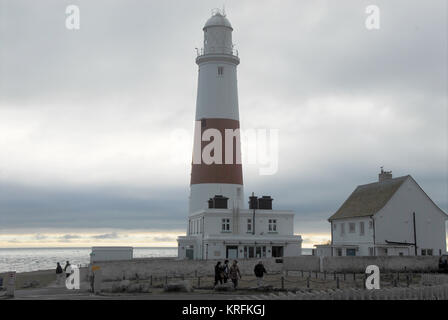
pixel 32 259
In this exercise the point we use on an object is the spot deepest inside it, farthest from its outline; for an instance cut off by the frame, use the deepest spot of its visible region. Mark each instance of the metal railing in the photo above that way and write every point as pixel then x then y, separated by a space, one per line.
pixel 217 50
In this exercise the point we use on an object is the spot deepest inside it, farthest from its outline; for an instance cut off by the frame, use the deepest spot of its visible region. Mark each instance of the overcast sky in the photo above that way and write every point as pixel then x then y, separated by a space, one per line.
pixel 87 117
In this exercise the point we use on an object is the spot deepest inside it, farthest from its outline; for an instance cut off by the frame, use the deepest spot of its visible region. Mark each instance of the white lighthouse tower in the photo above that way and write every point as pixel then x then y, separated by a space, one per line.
pixel 217 108
pixel 219 225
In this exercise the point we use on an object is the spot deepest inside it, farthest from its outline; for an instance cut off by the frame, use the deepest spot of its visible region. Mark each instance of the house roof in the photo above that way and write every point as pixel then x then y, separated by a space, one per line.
pixel 368 199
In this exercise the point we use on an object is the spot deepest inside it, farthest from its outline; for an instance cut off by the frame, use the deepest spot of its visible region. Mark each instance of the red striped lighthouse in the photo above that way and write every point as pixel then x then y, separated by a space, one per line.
pixel 217 114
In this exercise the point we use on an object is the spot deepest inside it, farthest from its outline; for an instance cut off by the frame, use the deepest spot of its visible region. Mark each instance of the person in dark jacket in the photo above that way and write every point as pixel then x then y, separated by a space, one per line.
pixel 225 271
pixel 259 271
pixel 234 273
pixel 218 271
pixel 59 272
pixel 67 269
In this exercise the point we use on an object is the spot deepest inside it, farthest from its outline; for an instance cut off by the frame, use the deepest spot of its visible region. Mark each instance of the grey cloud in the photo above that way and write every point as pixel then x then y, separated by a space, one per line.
pixel 112 235
pixel 346 101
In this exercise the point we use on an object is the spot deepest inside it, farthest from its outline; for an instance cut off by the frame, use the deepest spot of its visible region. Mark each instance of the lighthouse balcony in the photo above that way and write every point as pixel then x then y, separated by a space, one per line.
pixel 217 54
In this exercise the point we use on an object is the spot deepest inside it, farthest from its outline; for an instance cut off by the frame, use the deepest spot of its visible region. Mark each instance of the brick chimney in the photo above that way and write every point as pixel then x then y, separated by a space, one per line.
pixel 384 175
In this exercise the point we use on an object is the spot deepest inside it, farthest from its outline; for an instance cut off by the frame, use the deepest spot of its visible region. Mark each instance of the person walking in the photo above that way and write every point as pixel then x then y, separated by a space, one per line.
pixel 59 272
pixel 67 269
pixel 259 271
pixel 218 271
pixel 225 271
pixel 234 273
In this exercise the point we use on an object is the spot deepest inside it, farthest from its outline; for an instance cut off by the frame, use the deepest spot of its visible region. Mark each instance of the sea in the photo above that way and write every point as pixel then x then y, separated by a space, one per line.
pixel 33 259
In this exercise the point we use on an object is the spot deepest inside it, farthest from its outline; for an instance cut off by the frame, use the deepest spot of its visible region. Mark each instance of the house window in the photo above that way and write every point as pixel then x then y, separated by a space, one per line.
pixel 225 225
pixel 272 225
pixel 429 252
pixel 342 229
pixel 361 228
pixel 277 252
pixel 220 71
pixel 350 252
pixel 351 227
pixel 249 225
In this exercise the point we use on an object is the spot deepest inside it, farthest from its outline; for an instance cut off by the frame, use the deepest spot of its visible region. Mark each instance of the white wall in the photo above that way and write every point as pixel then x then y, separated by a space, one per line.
pixel 364 241
pixel 394 221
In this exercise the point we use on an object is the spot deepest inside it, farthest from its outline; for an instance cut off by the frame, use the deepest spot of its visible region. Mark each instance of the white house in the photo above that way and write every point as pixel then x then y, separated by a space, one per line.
pixel 216 233
pixel 393 216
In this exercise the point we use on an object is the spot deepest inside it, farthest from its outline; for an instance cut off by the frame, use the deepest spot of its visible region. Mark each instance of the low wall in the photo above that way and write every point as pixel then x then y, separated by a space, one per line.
pixel 171 267
pixel 303 263
pixel 393 263
pixel 144 268
pixel 359 264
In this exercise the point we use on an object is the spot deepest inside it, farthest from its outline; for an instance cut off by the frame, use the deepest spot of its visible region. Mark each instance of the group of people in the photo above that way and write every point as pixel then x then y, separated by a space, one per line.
pixel 59 271
pixel 223 272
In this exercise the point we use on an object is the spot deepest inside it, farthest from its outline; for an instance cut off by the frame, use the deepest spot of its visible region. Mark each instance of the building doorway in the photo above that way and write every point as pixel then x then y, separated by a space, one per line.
pixel 277 252
pixel 232 252
pixel 189 253
pixel 350 252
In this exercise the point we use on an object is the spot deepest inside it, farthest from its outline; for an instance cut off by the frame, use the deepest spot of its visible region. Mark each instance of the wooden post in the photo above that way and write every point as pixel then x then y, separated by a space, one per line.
pixel 337 282
pixel 199 282
pixel 344 276
pixel 316 274
pixel 334 275
pixel 166 279
pixel 325 275
pixel 150 281
pixel 302 273
pixel 283 283
pixel 354 276
pixel 308 282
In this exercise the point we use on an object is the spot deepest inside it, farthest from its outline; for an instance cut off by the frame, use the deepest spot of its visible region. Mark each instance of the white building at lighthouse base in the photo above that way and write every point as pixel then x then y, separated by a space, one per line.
pixel 236 234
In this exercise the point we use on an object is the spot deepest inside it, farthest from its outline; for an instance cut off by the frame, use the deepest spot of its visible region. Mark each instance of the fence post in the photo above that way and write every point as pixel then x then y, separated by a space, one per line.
pixel 166 279
pixel 354 276
pixel 344 276
pixel 407 280
pixel 283 283
pixel 316 274
pixel 337 282
pixel 308 282
pixel 325 275
pixel 150 281
pixel 195 273
pixel 302 273
pixel 364 282
pixel 199 282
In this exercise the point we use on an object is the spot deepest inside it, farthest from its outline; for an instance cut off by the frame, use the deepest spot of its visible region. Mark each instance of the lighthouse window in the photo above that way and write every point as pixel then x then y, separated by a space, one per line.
pixel 272 225
pixel 225 225
pixel 220 71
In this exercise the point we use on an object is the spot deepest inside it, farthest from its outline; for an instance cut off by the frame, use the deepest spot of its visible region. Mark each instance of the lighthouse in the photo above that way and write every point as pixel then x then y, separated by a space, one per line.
pixel 220 224
pixel 217 111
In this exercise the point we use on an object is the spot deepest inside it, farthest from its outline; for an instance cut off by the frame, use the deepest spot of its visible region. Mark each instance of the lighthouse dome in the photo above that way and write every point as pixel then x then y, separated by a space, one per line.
pixel 218 19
